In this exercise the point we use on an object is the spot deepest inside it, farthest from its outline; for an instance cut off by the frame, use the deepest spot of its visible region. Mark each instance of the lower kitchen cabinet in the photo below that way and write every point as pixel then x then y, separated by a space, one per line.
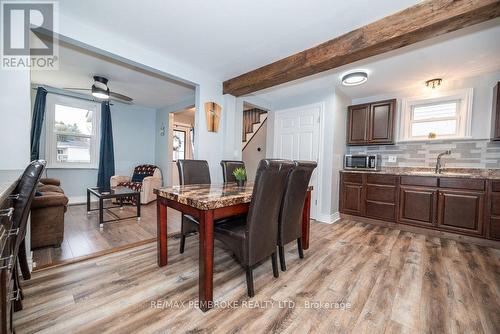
pixel 461 211
pixel 417 206
pixel 469 206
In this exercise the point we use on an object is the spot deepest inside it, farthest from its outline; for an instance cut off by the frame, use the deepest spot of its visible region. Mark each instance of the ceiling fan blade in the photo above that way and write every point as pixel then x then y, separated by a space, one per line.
pixel 120 97
pixel 72 88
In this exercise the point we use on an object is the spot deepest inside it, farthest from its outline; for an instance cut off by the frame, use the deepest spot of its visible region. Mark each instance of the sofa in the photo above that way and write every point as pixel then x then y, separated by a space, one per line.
pixel 144 179
pixel 47 214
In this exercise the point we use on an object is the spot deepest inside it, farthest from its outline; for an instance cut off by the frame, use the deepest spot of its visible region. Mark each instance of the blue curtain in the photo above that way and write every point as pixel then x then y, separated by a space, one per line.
pixel 106 154
pixel 37 122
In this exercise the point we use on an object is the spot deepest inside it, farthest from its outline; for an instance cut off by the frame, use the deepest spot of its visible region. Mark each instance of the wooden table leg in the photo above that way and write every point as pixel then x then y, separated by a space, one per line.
pixel 306 221
pixel 161 231
pixel 206 260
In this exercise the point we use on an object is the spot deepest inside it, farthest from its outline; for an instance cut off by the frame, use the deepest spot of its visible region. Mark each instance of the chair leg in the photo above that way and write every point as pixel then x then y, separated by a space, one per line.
pixel 274 261
pixel 23 261
pixel 282 257
pixel 250 290
pixel 183 242
pixel 17 303
pixel 299 246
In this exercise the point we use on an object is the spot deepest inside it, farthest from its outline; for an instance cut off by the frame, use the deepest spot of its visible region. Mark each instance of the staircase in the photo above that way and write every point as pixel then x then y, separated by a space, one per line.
pixel 252 121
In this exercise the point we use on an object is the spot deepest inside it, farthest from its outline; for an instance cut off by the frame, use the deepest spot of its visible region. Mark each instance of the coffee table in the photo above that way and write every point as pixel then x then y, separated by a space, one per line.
pixel 118 193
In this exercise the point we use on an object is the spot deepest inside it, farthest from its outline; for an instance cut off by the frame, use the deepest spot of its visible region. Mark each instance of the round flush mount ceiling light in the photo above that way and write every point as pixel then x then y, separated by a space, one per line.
pixel 354 78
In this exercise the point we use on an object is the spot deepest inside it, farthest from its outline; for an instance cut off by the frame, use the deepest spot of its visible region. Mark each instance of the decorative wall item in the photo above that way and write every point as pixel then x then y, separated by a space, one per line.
pixel 212 112
pixel 162 129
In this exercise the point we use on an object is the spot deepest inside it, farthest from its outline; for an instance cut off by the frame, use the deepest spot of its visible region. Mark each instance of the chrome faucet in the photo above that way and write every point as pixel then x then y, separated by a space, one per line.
pixel 438 162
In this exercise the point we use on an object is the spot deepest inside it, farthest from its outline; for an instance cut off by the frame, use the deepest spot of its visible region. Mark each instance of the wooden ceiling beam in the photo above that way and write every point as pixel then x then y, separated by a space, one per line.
pixel 414 24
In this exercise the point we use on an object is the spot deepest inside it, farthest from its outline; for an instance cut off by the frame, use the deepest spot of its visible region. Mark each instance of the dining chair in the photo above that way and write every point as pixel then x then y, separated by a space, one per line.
pixel 252 238
pixel 290 218
pixel 228 167
pixel 24 193
pixel 191 172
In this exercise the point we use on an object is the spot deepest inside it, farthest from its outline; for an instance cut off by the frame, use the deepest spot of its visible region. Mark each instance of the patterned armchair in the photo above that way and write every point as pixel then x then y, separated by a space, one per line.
pixel 144 179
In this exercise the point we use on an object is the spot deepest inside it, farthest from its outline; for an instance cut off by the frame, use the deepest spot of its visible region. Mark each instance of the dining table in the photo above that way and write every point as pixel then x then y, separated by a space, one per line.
pixel 208 203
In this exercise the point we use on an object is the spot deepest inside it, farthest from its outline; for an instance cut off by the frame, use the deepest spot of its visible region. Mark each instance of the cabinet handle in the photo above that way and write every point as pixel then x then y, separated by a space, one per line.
pixel 7 213
pixel 13 197
pixel 17 294
pixel 8 266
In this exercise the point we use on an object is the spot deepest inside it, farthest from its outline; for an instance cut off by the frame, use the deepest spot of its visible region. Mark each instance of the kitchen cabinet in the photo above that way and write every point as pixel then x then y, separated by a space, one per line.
pixel 461 211
pixel 495 117
pixel 371 124
pixel 418 206
pixel 449 204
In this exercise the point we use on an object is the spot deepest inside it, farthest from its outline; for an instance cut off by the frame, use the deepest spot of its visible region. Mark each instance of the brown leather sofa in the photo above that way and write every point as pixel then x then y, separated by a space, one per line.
pixel 47 214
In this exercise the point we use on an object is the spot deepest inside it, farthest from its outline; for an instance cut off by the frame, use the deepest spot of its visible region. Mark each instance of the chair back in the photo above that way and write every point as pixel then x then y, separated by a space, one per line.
pixel 262 218
pixel 228 167
pixel 26 188
pixel 290 218
pixel 193 172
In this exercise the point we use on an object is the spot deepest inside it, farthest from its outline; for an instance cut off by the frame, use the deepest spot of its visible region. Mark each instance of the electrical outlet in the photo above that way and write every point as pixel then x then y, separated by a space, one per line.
pixel 392 158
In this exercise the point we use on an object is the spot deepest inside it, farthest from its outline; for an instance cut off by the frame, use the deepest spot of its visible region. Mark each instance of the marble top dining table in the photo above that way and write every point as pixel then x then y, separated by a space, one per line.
pixel 207 203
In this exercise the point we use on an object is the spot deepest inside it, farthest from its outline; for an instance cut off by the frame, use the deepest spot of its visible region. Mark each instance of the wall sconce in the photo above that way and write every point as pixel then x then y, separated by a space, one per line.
pixel 433 83
pixel 212 112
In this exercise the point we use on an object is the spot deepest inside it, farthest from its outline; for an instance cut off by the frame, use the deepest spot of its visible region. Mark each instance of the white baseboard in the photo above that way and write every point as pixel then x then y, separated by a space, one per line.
pixel 328 219
pixel 75 200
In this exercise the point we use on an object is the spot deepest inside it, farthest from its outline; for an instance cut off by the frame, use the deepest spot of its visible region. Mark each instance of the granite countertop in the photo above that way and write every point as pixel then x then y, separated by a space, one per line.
pixel 6 189
pixel 209 196
pixel 470 173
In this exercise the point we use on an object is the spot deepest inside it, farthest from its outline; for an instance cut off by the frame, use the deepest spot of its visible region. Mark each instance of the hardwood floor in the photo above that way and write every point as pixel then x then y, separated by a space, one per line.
pixel 82 236
pixel 385 281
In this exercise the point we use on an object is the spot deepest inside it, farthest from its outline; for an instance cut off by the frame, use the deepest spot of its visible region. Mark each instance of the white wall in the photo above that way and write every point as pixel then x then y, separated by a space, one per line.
pixel 251 155
pixel 15 119
pixel 482 100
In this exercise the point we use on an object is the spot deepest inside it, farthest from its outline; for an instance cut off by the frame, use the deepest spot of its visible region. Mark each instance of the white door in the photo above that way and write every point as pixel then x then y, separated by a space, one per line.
pixel 296 137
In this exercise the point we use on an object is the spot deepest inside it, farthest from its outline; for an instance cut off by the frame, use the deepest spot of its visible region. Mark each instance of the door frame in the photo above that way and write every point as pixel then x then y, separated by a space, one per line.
pixel 316 204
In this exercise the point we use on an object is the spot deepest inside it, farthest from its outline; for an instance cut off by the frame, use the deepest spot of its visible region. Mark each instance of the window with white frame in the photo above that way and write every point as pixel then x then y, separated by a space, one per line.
pixel 72 132
pixel 443 117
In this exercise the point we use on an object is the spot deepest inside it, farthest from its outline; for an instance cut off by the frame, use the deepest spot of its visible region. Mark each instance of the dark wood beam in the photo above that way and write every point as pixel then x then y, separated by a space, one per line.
pixel 414 24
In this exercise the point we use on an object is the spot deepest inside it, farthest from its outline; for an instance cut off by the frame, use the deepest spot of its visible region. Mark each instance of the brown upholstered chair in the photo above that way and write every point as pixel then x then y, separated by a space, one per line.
pixel 191 172
pixel 290 218
pixel 228 166
pixel 253 238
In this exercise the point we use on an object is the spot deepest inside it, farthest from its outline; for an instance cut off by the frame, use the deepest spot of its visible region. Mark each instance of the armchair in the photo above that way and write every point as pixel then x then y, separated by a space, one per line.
pixel 144 179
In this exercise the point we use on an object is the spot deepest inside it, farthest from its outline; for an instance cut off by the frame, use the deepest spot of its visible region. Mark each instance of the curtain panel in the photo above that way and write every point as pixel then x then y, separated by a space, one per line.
pixel 106 152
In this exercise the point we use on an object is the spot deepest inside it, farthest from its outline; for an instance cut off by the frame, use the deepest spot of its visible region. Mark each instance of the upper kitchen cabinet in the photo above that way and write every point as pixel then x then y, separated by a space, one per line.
pixel 495 117
pixel 371 124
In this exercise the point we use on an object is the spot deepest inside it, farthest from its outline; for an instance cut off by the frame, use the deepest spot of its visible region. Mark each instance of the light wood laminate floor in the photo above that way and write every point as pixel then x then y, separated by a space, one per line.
pixel 82 236
pixel 393 282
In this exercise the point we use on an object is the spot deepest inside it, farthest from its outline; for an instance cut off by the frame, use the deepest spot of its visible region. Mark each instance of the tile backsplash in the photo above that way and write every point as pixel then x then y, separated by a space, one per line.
pixel 464 153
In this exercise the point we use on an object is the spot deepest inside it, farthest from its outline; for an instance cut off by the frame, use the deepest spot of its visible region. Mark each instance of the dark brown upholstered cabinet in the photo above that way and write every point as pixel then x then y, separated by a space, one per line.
pixel 495 117
pixel 371 124
pixel 448 204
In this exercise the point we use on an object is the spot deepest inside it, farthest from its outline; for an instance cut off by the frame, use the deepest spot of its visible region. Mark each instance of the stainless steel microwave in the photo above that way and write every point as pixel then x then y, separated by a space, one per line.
pixel 362 162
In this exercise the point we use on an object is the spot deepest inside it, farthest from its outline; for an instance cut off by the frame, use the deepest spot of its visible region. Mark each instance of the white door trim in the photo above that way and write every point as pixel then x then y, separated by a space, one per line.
pixel 316 213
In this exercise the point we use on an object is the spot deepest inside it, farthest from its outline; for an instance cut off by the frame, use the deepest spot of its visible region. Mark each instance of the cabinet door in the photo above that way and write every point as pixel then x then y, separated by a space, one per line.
pixel 357 124
pixel 381 122
pixel 352 198
pixel 495 118
pixel 417 206
pixel 495 216
pixel 461 211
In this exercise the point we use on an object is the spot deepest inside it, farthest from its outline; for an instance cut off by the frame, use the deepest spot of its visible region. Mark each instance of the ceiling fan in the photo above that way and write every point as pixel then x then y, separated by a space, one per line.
pixel 100 90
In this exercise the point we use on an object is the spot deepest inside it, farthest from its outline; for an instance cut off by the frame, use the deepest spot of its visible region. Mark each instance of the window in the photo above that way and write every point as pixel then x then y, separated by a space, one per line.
pixel 179 145
pixel 443 117
pixel 71 132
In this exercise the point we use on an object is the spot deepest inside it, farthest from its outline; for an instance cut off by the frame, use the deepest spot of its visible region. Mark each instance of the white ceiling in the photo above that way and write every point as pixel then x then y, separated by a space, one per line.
pixel 227 37
pixel 462 54
pixel 77 67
